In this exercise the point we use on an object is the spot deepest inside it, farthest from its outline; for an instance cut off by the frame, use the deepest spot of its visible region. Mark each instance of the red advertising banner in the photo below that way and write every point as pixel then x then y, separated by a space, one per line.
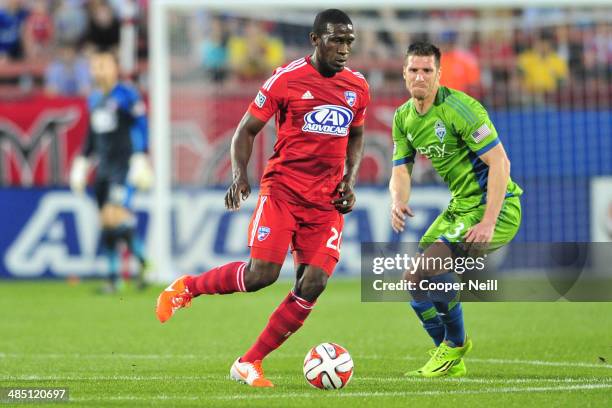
pixel 38 138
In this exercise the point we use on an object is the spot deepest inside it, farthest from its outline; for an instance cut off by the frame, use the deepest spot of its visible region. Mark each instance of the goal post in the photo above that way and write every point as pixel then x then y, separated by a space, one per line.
pixel 161 29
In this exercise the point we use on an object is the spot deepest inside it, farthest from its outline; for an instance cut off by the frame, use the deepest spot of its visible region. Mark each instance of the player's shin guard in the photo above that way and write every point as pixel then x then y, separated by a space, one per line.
pixel 432 323
pixel 449 309
pixel 228 278
pixel 288 317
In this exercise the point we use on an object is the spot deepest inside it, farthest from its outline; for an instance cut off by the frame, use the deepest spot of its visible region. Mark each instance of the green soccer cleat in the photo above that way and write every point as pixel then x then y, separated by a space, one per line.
pixel 419 372
pixel 457 370
pixel 414 373
pixel 444 359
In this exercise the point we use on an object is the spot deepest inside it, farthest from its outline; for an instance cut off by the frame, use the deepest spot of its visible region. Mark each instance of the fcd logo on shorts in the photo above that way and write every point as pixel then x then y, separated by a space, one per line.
pixel 262 233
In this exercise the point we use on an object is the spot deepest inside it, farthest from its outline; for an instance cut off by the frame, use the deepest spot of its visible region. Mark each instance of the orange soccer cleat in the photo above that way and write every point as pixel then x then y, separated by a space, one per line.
pixel 174 297
pixel 249 373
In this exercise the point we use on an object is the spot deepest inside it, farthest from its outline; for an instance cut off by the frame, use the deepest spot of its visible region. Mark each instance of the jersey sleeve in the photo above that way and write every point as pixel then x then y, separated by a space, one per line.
pixel 271 97
pixel 139 132
pixel 90 143
pixel 403 151
pixel 472 123
pixel 360 115
pixel 89 147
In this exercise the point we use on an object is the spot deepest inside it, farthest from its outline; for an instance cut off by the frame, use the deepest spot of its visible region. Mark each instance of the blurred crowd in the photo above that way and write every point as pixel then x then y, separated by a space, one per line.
pixel 503 56
pixel 46 43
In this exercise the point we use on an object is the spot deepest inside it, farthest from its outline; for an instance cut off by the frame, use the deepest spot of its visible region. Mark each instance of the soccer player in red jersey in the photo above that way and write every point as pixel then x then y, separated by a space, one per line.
pixel 319 106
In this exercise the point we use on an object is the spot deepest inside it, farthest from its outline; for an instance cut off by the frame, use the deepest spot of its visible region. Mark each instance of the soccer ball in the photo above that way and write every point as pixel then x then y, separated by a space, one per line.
pixel 328 366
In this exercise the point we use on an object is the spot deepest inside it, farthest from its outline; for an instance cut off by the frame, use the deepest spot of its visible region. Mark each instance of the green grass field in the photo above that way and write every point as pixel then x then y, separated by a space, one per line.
pixel 111 351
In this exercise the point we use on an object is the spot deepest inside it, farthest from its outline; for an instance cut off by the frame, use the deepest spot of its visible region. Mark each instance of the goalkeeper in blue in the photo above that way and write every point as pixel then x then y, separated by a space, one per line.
pixel 454 131
pixel 118 138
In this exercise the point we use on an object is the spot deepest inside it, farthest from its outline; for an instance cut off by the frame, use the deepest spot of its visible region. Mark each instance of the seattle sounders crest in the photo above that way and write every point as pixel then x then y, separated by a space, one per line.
pixel 440 130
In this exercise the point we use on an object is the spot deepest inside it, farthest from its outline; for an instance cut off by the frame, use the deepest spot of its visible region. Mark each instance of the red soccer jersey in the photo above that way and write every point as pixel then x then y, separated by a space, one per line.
pixel 313 117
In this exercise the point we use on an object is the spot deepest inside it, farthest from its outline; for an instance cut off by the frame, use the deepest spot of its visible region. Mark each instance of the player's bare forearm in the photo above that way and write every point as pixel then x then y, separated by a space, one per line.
pixel 399 187
pixel 242 147
pixel 354 154
pixel 344 196
pixel 496 191
pixel 400 183
pixel 499 174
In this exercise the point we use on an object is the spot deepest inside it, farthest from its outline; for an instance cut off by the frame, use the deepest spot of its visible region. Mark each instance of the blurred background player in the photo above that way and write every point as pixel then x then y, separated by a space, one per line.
pixel 118 136
pixel 454 131
pixel 305 190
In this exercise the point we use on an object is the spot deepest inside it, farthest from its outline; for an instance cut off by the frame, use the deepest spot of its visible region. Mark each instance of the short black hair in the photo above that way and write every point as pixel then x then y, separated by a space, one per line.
pixel 329 16
pixel 424 49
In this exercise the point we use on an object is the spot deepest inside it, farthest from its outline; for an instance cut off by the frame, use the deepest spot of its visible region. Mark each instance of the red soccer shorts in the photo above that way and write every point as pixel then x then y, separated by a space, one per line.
pixel 314 235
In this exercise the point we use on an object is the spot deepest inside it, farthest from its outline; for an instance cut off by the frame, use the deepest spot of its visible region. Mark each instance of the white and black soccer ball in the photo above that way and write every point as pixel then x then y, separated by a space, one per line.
pixel 328 366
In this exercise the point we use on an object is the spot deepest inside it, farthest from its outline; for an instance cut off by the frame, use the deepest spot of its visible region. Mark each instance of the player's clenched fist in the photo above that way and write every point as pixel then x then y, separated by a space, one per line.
pixel 399 211
pixel 344 204
pixel 240 189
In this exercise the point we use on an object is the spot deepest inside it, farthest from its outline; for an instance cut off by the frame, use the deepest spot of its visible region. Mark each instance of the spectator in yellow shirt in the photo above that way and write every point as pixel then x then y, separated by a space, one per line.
pixel 542 69
pixel 254 53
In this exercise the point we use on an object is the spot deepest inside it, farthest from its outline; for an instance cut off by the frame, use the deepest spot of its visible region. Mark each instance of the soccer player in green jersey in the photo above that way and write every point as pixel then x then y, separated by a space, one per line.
pixel 454 131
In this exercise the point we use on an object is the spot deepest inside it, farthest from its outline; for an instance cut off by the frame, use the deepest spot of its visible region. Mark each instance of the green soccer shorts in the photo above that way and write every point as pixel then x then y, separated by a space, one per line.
pixel 452 225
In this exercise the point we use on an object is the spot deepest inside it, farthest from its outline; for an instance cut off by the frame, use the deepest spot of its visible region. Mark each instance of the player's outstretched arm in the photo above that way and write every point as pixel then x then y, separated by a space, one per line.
pixel 499 173
pixel 81 164
pixel 242 147
pixel 354 153
pixel 399 187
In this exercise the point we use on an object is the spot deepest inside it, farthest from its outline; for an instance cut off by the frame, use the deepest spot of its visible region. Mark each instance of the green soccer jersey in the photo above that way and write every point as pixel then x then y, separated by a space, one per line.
pixel 452 134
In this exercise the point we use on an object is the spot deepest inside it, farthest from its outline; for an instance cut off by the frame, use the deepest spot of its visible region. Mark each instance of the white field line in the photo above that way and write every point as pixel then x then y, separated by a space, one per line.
pixel 527 380
pixel 507 361
pixel 110 356
pixel 539 363
pixel 112 378
pixel 286 356
pixel 208 377
pixel 345 394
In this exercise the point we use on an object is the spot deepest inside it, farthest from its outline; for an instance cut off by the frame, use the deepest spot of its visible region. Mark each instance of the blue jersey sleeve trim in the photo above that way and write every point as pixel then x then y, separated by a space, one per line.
pixel 405 160
pixel 488 147
pixel 140 134
pixel 129 96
